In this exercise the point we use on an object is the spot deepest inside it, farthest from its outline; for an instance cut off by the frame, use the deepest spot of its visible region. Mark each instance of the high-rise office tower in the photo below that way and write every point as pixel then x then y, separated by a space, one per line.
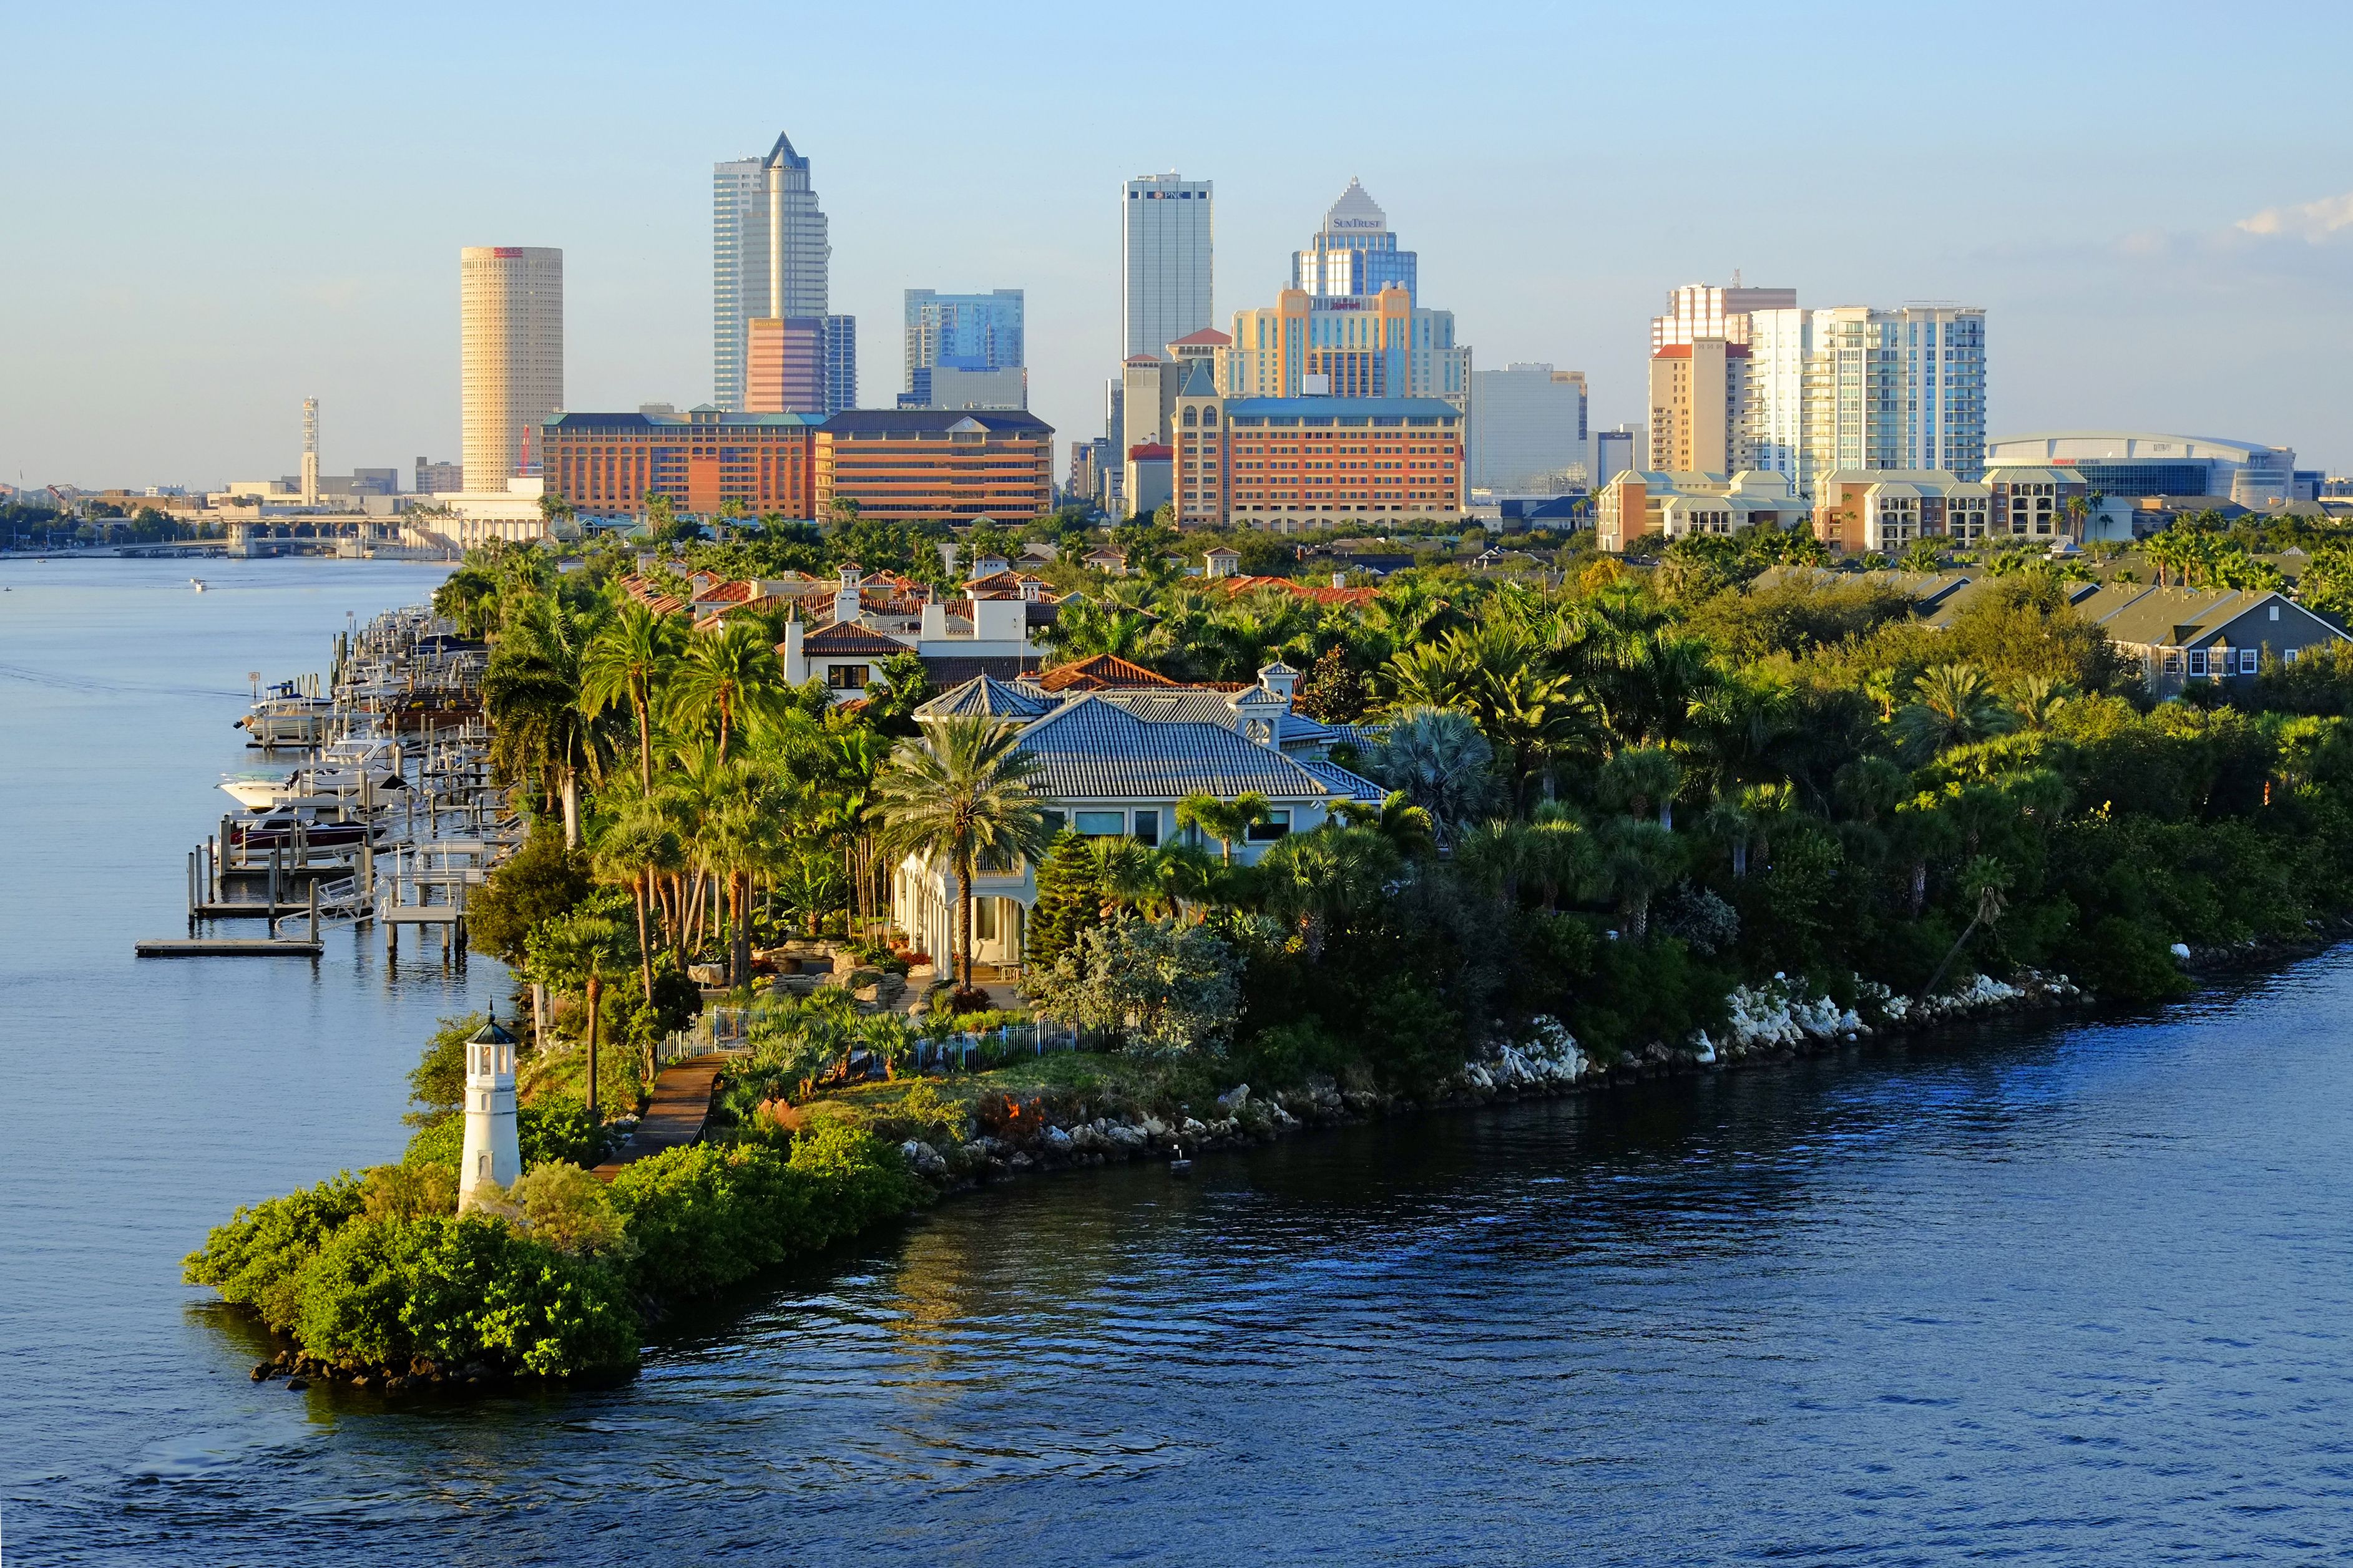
pixel 1343 341
pixel 770 257
pixel 511 354
pixel 1165 252
pixel 1529 430
pixel 1353 252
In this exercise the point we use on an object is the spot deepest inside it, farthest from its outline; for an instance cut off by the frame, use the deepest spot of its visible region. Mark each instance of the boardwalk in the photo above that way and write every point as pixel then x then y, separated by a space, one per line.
pixel 681 1102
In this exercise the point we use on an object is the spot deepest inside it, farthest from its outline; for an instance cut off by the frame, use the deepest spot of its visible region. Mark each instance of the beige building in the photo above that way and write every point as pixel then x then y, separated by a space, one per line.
pixel 1672 505
pixel 510 355
pixel 1699 408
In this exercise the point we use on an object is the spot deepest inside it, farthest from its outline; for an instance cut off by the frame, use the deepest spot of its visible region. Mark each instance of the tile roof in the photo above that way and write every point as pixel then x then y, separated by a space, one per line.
pixel 1100 672
pixel 850 637
pixel 1092 749
pixel 990 696
pixel 950 670
pixel 1323 595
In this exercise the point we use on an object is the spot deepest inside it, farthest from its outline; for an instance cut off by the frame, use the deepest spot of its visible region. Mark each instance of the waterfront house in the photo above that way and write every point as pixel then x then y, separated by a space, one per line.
pixel 1114 761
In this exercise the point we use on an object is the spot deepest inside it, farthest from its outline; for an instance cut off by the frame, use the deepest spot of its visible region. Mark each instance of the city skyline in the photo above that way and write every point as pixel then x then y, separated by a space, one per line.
pixel 2155 275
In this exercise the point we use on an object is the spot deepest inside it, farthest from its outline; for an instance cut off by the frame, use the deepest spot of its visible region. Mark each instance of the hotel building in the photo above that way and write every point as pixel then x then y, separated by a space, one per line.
pixel 900 465
pixel 1291 464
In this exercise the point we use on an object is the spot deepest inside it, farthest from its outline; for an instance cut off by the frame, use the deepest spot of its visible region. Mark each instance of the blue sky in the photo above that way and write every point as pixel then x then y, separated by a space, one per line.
pixel 213 212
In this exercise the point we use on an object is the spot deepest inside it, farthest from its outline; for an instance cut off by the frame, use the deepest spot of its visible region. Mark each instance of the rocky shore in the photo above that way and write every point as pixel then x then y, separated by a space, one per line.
pixel 1773 1022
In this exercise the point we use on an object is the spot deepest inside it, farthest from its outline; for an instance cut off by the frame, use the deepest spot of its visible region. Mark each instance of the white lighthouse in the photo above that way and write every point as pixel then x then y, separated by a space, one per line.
pixel 491 1153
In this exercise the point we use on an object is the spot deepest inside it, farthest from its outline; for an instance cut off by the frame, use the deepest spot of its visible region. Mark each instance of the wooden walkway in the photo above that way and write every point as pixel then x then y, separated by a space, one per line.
pixel 675 1115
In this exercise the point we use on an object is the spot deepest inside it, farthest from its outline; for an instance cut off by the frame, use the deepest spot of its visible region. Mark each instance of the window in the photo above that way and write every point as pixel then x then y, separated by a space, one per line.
pixel 1147 827
pixel 2172 661
pixel 1277 823
pixel 984 919
pixel 847 677
pixel 2197 661
pixel 1103 823
pixel 2249 658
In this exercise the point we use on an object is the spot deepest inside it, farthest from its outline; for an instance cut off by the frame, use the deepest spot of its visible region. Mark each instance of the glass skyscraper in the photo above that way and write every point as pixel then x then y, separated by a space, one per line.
pixel 770 256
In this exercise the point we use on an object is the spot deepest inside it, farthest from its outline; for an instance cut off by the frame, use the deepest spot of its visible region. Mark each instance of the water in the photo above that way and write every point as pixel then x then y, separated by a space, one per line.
pixel 2064 1294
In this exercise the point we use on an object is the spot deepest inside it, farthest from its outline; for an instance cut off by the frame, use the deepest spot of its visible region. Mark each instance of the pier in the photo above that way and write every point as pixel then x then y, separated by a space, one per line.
pixel 387 814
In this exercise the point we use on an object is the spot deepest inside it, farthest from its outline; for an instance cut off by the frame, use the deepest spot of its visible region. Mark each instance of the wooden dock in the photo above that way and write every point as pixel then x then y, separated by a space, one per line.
pixel 229 947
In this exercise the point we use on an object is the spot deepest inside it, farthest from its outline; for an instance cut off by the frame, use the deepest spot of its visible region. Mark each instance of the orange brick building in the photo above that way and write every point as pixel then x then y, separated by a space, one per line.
pixel 1291 464
pixel 902 464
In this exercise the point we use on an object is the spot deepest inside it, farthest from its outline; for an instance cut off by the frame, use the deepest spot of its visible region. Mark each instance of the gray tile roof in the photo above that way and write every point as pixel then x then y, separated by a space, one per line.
pixel 1092 749
pixel 989 697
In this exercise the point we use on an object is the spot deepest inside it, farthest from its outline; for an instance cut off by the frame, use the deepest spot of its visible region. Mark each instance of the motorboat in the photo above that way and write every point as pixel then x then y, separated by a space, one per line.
pixel 197 584
pixel 285 717
pixel 289 829
pixel 347 770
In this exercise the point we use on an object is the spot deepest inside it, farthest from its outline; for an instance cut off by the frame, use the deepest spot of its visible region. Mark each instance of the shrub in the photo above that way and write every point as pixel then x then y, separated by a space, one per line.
pixel 1163 987
pixel 567 1208
pixel 254 1259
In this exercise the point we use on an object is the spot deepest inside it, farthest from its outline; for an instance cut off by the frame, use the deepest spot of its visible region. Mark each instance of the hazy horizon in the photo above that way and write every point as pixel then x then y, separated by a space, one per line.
pixel 223 212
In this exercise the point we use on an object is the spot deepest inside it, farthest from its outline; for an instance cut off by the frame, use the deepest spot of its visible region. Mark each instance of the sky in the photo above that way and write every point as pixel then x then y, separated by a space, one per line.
pixel 210 213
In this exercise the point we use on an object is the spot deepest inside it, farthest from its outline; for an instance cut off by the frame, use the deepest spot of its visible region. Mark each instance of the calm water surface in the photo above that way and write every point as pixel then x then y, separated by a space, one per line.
pixel 2053 1294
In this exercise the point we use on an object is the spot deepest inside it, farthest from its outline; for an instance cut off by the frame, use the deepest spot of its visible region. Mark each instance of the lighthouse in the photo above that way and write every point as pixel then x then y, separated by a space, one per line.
pixel 492 1154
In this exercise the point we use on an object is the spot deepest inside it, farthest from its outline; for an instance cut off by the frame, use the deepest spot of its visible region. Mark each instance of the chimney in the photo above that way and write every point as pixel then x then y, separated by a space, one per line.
pixel 789 650
pixel 845 597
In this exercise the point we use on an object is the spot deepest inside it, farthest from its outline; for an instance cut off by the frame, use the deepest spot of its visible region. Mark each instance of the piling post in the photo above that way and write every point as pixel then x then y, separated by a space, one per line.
pixel 314 908
pixel 273 881
pixel 192 890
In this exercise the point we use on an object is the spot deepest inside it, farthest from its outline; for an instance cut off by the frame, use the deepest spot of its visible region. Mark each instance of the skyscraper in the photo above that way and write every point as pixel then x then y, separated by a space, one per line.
pixel 963 332
pixel 1699 311
pixel 1851 387
pixel 1165 252
pixel 1529 432
pixel 1327 335
pixel 841 363
pixel 1353 252
pixel 770 257
pixel 510 353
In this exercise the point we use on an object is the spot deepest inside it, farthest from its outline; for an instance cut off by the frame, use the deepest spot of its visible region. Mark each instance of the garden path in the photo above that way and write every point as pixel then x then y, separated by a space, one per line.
pixel 674 1117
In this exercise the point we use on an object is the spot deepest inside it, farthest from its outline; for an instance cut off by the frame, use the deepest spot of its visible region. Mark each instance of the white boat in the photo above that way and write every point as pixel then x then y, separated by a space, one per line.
pixel 346 770
pixel 197 584
pixel 285 718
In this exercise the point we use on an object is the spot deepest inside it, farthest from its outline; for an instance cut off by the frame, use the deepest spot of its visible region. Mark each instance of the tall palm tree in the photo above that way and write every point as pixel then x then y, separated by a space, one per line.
pixel 637 845
pixel 1440 760
pixel 1401 822
pixel 2037 700
pixel 1227 821
pixel 728 679
pixel 961 794
pixel 580 949
pixel 530 693
pixel 626 661
pixel 1324 880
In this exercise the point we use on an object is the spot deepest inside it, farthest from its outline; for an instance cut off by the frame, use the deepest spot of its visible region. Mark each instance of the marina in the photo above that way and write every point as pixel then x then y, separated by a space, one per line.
pixel 386 816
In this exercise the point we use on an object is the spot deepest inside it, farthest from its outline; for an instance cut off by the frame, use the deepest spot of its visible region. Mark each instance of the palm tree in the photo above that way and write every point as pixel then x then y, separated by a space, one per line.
pixel 1954 704
pixel 580 949
pixel 531 692
pixel 1401 822
pixel 1440 761
pixel 1725 821
pixel 727 680
pixel 635 845
pixel 961 794
pixel 2037 700
pixel 626 661
pixel 1642 776
pixel 1988 879
pixel 1327 878
pixel 1637 860
pixel 1227 821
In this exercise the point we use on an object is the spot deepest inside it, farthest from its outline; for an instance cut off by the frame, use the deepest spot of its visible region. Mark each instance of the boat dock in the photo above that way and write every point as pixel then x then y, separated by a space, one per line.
pixel 387 817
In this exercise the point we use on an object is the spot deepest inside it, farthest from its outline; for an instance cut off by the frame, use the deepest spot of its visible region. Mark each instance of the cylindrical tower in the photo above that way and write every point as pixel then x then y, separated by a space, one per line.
pixel 511 352
pixel 491 1153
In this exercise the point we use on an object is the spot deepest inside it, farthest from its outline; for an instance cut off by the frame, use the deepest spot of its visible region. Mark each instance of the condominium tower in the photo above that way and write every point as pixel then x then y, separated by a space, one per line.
pixel 510 355
pixel 1165 252
pixel 1851 387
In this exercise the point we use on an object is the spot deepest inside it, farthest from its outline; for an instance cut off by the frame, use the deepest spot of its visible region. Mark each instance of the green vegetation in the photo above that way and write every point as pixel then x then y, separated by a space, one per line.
pixel 1611 801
